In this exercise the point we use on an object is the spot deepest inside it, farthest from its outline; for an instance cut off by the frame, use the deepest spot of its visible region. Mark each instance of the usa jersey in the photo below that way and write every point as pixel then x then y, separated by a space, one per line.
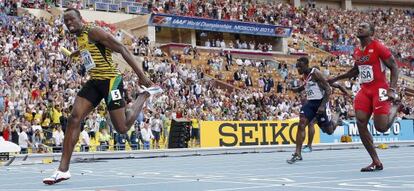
pixel 370 66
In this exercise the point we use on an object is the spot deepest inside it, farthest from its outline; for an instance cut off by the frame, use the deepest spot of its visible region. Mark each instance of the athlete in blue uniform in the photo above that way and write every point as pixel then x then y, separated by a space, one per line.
pixel 311 127
pixel 316 107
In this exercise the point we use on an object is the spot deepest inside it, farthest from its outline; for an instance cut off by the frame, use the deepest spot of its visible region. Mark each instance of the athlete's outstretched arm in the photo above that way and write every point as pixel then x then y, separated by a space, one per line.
pixel 298 89
pixel 390 63
pixel 72 56
pixel 340 87
pixel 97 34
pixel 351 73
pixel 323 83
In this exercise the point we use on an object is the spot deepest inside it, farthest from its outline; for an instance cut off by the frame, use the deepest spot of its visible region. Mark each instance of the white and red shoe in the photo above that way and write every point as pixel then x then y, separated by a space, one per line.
pixel 154 90
pixel 56 177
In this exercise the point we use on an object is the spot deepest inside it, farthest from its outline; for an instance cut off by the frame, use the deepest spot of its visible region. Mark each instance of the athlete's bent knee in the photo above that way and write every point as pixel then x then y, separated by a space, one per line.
pixel 74 119
pixel 329 132
pixel 361 123
pixel 381 128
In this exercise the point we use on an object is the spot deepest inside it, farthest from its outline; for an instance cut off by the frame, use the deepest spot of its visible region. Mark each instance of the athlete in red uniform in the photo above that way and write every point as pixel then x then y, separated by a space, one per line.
pixel 376 95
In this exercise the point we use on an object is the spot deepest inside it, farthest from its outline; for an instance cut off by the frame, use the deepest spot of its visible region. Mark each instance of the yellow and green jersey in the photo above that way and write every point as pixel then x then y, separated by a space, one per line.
pixel 96 58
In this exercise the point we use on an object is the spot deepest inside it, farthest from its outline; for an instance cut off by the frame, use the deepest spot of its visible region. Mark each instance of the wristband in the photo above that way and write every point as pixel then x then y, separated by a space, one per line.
pixel 65 51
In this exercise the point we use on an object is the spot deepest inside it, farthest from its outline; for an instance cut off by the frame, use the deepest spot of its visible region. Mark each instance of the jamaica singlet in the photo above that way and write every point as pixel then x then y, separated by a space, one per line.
pixel 96 58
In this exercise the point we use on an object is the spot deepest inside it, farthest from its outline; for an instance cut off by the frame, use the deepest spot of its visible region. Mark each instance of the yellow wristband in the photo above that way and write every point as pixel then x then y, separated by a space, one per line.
pixel 65 51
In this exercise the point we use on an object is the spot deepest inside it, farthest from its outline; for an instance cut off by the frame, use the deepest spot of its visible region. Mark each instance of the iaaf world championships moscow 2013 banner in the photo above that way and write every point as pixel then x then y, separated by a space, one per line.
pixel 251 133
pixel 173 21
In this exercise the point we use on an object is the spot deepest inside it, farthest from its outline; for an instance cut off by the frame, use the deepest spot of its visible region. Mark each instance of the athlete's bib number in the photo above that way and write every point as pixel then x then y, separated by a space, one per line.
pixel 328 112
pixel 310 94
pixel 382 94
pixel 87 60
pixel 116 95
pixel 366 74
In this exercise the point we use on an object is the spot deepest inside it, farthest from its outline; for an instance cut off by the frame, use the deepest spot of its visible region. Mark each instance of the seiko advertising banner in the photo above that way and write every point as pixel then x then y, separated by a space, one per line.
pixel 173 21
pixel 254 133
pixel 250 133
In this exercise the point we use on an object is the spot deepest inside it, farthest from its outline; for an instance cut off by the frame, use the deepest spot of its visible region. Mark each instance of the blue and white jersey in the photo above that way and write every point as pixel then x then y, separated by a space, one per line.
pixel 312 88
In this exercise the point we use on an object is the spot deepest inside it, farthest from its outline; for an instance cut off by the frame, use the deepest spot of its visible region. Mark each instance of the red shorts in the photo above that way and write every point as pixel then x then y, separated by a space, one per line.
pixel 367 100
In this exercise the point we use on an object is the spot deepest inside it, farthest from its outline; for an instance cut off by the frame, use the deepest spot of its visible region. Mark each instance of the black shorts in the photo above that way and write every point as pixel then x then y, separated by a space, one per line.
pixel 310 109
pixel 195 133
pixel 112 90
pixel 156 135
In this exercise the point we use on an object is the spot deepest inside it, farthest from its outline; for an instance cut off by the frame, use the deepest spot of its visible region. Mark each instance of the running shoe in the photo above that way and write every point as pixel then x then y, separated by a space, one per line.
pixel 152 90
pixel 295 157
pixel 307 149
pixel 372 167
pixel 56 177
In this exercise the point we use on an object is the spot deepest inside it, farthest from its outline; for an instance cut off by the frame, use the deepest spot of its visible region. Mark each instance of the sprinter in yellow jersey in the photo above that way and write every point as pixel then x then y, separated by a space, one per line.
pixel 94 49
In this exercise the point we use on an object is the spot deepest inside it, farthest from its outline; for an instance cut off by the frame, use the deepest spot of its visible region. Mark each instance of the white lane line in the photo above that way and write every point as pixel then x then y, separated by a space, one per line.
pixel 305 169
pixel 237 182
pixel 244 188
pixel 179 179
pixel 237 177
pixel 128 185
pixel 240 168
pixel 39 181
pixel 331 188
pixel 197 163
pixel 314 177
pixel 243 167
pixel 347 180
pixel 400 181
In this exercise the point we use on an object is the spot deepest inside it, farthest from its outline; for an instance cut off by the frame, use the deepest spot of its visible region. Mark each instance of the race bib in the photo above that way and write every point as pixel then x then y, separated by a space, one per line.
pixel 328 113
pixel 366 73
pixel 382 94
pixel 116 95
pixel 87 60
pixel 310 93
pixel 313 91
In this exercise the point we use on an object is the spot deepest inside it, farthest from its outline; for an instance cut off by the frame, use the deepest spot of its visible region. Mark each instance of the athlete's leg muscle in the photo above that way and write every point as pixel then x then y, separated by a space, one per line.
pixel 366 138
pixel 123 118
pixel 300 134
pixel 81 108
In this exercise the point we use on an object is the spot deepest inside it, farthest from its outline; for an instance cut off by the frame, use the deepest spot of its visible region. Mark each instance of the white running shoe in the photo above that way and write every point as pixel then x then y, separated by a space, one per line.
pixel 58 176
pixel 152 90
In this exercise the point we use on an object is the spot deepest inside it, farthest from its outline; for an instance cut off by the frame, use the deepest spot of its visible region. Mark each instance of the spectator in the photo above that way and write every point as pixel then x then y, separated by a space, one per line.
pixel 104 139
pixel 84 139
pixel 156 127
pixel 146 135
pixel 58 137
pixel 24 140
pixel 38 139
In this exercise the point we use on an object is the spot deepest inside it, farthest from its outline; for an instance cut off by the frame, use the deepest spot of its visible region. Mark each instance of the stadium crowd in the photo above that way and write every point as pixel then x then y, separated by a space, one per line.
pixel 38 87
pixel 326 27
